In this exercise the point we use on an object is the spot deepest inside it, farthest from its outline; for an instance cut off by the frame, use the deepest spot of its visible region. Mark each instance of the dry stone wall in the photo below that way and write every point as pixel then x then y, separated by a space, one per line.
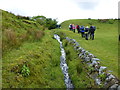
pixel 100 74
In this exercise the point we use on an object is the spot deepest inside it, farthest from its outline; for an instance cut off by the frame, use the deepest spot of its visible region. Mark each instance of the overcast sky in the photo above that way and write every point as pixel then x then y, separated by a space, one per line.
pixel 63 9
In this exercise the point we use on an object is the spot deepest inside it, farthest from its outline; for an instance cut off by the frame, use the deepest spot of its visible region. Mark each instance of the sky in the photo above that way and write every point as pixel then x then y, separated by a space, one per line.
pixel 62 10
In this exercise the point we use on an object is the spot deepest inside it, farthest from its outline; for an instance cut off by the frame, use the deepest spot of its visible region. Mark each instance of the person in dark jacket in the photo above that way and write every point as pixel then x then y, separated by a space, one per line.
pixel 70 27
pixel 92 31
pixel 86 32
pixel 73 28
pixel 78 28
pixel 82 31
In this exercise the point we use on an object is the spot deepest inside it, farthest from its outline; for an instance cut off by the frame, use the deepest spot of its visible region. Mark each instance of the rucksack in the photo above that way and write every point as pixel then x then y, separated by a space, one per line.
pixel 86 29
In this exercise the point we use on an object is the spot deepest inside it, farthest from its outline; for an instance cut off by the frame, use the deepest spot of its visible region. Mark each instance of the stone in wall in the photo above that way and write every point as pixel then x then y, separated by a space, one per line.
pixel 110 81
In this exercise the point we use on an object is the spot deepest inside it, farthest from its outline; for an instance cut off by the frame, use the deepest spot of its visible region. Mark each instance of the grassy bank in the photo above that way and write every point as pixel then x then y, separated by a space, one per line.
pixel 17 30
pixel 42 58
pixel 31 56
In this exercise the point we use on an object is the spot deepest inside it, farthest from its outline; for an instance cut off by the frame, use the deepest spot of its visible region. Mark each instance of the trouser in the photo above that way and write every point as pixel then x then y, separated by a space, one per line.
pixel 70 29
pixel 74 30
pixel 82 34
pixel 92 36
pixel 86 36
pixel 78 30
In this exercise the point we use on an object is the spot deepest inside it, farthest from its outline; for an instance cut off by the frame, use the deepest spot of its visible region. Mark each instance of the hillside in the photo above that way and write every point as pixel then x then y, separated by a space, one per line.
pixel 31 55
pixel 29 59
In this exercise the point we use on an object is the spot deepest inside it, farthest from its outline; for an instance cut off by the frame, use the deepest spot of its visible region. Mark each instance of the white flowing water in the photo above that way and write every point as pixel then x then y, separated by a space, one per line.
pixel 63 64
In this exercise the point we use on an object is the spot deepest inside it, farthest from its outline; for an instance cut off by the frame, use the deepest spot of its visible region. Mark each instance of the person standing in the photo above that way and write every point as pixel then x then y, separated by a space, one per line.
pixel 70 27
pixel 92 31
pixel 82 31
pixel 86 32
pixel 78 28
pixel 73 28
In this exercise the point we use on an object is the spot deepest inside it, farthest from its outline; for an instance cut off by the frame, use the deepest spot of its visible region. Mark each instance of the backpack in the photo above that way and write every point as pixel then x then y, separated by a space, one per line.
pixel 86 29
pixel 92 28
pixel 82 27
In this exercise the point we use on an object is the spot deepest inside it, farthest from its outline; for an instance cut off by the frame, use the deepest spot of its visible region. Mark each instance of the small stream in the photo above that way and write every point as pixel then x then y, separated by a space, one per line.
pixel 63 64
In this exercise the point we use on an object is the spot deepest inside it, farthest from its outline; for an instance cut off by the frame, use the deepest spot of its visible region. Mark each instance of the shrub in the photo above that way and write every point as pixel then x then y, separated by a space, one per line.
pixel 102 76
pixel 25 71
pixel 111 21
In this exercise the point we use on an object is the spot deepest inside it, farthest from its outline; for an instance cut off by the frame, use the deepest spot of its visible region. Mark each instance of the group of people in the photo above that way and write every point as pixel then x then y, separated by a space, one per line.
pixel 85 31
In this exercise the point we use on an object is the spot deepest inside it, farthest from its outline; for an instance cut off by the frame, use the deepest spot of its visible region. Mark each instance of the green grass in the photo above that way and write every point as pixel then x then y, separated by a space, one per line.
pixel 105 45
pixel 25 43
pixel 15 31
pixel 77 70
pixel 42 58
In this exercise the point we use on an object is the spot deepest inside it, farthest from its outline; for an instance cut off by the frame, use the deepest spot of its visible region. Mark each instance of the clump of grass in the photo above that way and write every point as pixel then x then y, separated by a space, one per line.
pixel 25 71
pixel 10 40
pixel 38 35
pixel 79 68
pixel 23 37
pixel 34 35
pixel 61 34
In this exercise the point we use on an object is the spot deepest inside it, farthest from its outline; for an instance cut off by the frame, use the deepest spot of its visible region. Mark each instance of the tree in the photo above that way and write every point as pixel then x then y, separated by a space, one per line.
pixel 46 22
pixel 40 19
pixel 51 23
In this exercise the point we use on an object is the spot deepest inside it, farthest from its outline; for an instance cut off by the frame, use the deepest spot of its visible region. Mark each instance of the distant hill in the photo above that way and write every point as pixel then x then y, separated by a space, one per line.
pixel 88 22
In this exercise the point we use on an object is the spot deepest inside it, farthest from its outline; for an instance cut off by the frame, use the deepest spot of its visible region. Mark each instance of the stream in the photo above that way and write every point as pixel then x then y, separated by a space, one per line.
pixel 63 64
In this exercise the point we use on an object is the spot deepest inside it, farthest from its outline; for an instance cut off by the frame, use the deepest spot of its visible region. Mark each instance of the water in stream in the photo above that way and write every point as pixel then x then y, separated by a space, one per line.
pixel 63 64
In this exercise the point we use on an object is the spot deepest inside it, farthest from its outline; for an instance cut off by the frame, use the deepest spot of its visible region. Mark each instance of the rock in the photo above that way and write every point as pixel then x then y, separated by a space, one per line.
pixel 80 54
pixel 83 51
pixel 97 81
pixel 110 83
pixel 113 87
pixel 67 38
pixel 97 68
pixel 87 53
pixel 87 59
pixel 102 68
pixel 95 59
pixel 78 48
pixel 118 88
pixel 91 56
pixel 109 77
pixel 94 63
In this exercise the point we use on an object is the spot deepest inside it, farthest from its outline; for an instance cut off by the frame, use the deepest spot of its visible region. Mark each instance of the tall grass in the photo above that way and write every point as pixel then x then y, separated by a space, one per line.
pixel 19 29
pixel 12 40
pixel 9 40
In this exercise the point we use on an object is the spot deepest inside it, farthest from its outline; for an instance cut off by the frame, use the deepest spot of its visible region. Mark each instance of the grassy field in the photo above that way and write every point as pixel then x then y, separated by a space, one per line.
pixel 105 45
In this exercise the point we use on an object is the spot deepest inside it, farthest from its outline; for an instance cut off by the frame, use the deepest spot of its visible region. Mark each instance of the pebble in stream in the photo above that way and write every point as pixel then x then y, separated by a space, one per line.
pixel 63 64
